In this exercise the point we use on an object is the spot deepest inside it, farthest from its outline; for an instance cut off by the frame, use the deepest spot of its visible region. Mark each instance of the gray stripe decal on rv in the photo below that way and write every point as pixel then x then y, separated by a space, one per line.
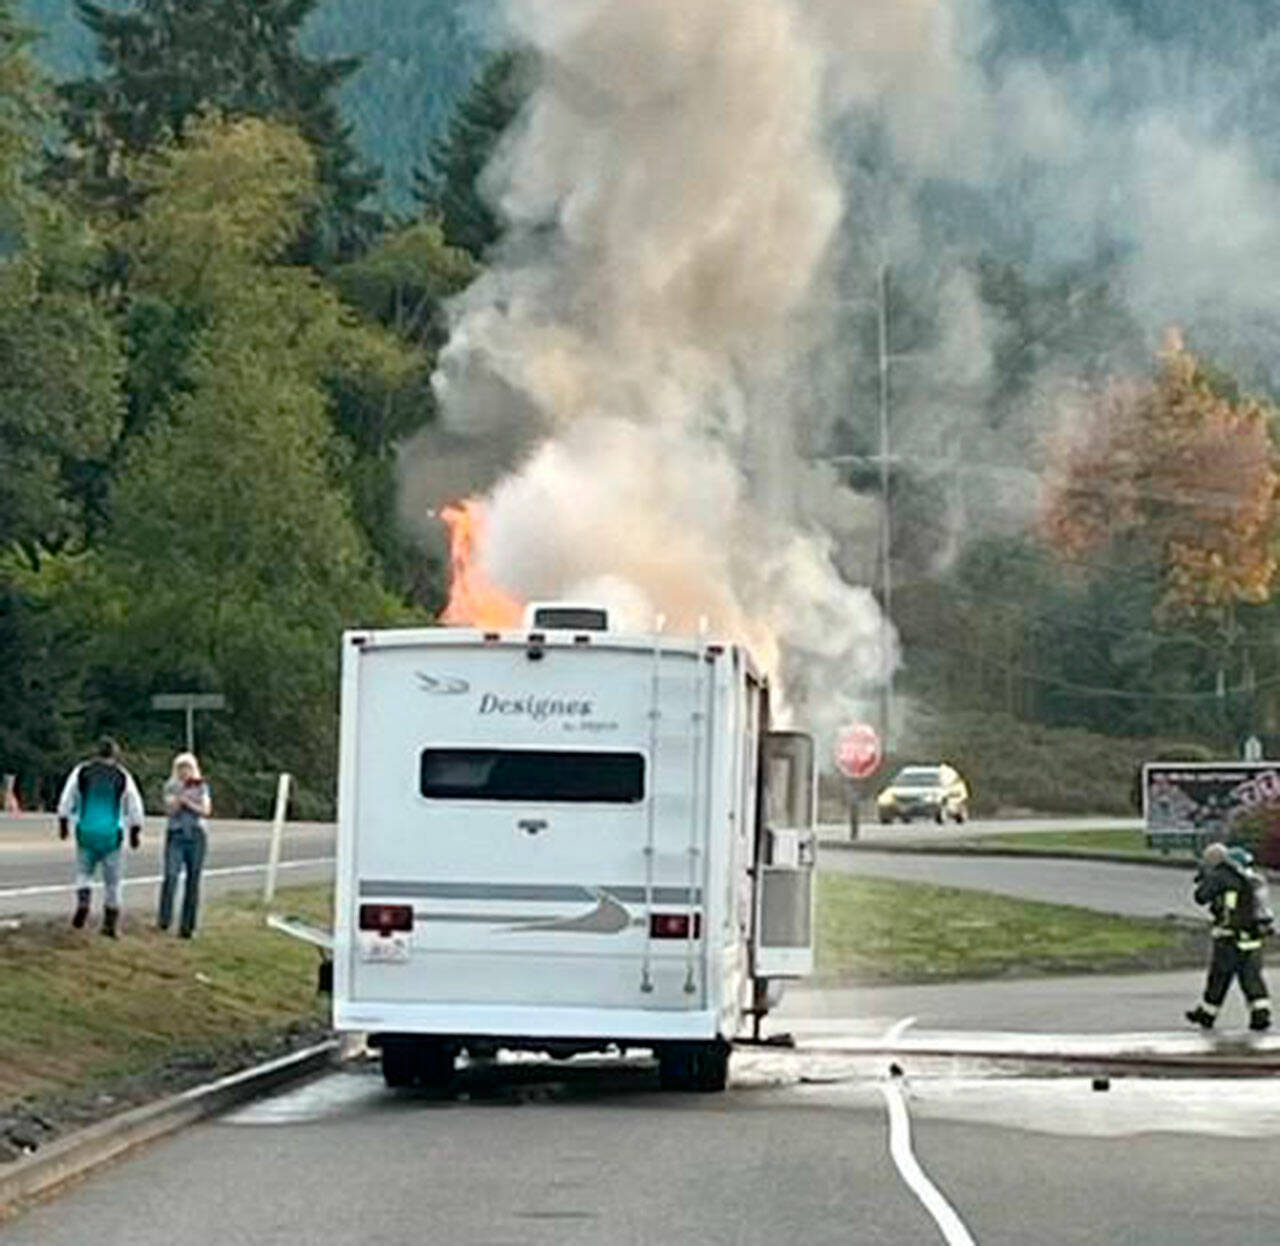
pixel 661 895
pixel 560 892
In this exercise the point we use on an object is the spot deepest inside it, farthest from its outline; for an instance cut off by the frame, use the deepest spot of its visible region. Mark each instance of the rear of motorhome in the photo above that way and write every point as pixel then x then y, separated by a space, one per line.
pixel 563 838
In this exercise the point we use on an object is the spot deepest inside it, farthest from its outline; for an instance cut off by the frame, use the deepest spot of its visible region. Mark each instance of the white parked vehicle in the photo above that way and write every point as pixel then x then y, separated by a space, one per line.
pixel 565 839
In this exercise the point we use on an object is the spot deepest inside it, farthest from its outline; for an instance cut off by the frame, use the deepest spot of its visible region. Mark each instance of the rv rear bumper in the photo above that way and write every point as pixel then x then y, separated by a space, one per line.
pixel 627 1025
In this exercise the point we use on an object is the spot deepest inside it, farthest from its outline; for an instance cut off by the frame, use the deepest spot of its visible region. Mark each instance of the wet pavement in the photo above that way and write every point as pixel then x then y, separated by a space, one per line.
pixel 801 1147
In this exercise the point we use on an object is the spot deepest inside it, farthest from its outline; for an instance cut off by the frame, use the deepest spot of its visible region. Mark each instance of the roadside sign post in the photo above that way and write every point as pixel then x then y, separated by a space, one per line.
pixel 277 833
pixel 858 756
pixel 188 703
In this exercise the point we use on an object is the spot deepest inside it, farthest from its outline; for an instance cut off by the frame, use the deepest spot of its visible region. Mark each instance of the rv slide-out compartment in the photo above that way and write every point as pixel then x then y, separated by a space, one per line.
pixel 784 898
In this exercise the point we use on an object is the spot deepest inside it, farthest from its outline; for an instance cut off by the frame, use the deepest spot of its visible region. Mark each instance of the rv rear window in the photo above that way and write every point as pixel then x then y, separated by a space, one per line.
pixel 541 775
pixel 571 618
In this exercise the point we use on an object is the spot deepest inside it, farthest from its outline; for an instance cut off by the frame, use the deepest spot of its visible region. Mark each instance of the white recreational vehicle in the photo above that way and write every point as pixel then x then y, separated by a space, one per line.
pixel 562 838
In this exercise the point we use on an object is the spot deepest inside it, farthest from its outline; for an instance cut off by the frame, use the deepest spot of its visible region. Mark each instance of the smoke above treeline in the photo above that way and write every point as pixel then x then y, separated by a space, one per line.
pixel 679 328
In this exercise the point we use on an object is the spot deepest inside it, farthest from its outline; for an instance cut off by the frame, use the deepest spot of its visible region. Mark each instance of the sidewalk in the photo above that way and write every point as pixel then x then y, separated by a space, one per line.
pixel 1087 1004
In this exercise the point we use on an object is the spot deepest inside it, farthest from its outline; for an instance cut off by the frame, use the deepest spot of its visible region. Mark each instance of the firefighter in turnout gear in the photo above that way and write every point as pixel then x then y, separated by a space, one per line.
pixel 1228 884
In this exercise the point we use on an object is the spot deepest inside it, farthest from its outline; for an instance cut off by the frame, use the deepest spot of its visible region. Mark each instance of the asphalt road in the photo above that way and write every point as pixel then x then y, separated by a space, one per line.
pixel 597 1155
pixel 798 1150
pixel 1134 890
pixel 36 869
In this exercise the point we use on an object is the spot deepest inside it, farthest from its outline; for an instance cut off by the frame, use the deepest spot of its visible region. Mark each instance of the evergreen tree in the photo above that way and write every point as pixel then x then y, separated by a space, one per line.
pixel 168 61
pixel 449 187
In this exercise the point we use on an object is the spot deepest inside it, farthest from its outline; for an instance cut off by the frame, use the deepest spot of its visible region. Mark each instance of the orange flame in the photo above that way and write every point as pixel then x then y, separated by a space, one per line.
pixel 474 600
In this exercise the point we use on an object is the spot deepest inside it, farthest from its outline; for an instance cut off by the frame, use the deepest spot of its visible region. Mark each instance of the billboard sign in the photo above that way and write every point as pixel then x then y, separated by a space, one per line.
pixel 1206 799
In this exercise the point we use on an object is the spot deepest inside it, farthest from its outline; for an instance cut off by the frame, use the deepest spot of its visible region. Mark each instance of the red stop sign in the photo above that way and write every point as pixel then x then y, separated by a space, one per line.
pixel 858 751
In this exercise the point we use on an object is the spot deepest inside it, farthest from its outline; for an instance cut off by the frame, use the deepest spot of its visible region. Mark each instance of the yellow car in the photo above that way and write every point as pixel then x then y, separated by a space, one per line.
pixel 936 792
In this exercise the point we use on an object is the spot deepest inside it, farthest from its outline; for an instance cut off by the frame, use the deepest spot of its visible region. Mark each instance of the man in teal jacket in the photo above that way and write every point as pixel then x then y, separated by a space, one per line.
pixel 102 798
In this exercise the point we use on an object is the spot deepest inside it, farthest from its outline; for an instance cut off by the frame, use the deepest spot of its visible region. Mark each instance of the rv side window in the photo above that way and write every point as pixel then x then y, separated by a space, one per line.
pixel 535 775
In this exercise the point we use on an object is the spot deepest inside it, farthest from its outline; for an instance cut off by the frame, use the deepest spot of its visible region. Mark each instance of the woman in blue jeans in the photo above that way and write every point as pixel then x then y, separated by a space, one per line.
pixel 186 798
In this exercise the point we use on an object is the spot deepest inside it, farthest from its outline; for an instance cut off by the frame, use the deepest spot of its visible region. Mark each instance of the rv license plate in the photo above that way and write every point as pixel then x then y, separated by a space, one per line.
pixel 390 949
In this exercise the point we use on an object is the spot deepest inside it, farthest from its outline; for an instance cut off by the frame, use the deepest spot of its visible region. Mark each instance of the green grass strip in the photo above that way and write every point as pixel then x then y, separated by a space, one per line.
pixel 77 1008
pixel 879 930
pixel 1126 843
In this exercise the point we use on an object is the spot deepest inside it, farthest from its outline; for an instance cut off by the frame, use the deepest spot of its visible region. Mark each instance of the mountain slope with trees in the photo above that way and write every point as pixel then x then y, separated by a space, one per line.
pixel 214 342
pixel 417 57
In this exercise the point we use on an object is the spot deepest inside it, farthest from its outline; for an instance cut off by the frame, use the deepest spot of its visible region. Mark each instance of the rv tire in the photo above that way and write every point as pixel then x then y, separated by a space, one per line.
pixel 700 1068
pixel 435 1065
pixel 399 1063
pixel 408 1061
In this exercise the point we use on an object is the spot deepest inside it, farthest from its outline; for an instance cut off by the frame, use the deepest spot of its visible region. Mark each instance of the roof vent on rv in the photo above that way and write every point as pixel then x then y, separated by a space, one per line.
pixel 564 616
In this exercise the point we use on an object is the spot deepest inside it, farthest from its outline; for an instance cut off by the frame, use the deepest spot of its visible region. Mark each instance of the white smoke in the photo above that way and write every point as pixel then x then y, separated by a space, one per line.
pixel 670 206
pixel 641 381
pixel 1141 149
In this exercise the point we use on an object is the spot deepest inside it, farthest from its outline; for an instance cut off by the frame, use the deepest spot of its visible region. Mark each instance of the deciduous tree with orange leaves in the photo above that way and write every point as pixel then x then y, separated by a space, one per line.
pixel 1178 472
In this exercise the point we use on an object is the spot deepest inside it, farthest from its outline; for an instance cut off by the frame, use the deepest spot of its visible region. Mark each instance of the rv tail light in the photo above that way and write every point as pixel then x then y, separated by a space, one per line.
pixel 384 918
pixel 674 925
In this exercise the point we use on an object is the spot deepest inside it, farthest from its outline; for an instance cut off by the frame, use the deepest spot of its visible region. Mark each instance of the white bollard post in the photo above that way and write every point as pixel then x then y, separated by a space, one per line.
pixel 277 833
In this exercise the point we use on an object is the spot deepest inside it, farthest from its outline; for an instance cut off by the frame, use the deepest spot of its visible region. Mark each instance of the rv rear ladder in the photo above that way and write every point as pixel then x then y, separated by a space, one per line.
pixel 655 716
pixel 697 721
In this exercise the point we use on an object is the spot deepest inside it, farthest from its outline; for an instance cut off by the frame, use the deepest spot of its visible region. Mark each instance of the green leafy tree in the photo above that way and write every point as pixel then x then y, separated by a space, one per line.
pixel 233 558
pixel 60 418
pixel 1010 629
pixel 169 61
pixel 234 561
pixel 403 283
pixel 60 409
pixel 43 667
pixel 60 360
pixel 405 280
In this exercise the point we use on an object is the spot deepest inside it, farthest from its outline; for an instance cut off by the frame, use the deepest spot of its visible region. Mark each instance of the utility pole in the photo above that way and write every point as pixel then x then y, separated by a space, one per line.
pixel 885 361
pixel 886 525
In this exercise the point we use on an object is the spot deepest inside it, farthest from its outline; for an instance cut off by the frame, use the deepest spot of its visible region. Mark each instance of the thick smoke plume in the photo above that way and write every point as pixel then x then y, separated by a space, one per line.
pixel 679 325
pixel 632 353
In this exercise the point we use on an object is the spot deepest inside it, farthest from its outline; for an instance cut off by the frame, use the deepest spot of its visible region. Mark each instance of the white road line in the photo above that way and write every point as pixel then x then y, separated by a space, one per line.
pixel 223 871
pixel 944 1215
pixel 898 1029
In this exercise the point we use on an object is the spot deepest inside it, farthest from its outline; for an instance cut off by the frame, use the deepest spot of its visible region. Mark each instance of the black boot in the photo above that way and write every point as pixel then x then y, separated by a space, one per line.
pixel 1202 1017
pixel 110 918
pixel 1260 1019
pixel 81 915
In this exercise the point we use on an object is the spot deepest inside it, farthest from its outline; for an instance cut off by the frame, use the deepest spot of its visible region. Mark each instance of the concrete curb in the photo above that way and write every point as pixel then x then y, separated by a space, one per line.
pixel 957 850
pixel 89 1148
